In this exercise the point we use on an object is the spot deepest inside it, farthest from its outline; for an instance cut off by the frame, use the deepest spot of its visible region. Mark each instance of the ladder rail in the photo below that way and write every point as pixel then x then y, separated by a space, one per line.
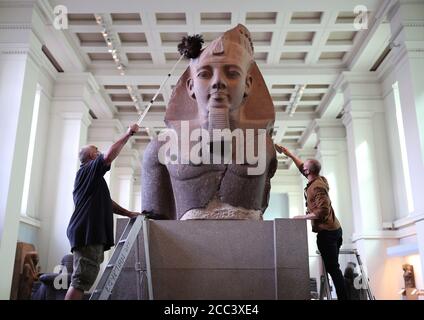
pixel 116 262
pixel 147 257
pixel 365 279
pixel 327 287
pixel 138 269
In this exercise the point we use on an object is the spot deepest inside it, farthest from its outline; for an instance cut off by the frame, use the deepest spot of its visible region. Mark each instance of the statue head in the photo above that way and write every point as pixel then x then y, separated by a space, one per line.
pixel 223 87
pixel 220 78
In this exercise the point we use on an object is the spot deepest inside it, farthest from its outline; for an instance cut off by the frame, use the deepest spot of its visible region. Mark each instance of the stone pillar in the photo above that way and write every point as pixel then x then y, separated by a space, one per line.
pixel 126 165
pixel 332 153
pixel 295 203
pixel 125 183
pixel 370 177
pixel 137 196
pixel 20 56
pixel 137 191
pixel 407 64
pixel 287 182
pixel 67 134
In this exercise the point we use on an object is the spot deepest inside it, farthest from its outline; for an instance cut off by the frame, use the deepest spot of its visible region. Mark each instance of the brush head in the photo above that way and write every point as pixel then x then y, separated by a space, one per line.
pixel 191 46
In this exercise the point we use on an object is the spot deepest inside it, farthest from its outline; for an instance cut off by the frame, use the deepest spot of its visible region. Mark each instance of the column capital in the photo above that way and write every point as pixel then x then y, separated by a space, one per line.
pixel 407 26
pixel 83 86
pixel 80 82
pixel 105 130
pixel 73 93
pixel 124 172
pixel 359 85
pixel 361 110
pixel 72 110
pixel 329 129
pixel 128 158
pixel 306 153
pixel 331 148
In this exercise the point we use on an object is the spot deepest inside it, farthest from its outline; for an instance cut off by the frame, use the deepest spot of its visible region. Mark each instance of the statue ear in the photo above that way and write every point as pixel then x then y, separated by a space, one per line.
pixel 189 86
pixel 249 81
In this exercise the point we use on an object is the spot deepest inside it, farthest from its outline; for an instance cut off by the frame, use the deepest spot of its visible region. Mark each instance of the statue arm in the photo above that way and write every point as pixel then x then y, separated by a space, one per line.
pixel 157 194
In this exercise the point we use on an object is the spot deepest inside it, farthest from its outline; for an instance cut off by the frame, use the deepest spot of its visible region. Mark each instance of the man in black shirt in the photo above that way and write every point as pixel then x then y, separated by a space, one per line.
pixel 90 230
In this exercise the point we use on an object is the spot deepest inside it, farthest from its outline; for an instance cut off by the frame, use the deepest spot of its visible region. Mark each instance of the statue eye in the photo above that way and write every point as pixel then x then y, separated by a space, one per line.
pixel 233 73
pixel 204 74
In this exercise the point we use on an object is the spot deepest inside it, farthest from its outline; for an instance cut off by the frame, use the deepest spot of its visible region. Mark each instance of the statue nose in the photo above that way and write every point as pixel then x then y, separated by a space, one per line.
pixel 219 85
pixel 218 82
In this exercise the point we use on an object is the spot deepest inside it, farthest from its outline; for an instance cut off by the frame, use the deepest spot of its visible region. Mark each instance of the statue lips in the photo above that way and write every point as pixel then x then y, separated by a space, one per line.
pixel 219 99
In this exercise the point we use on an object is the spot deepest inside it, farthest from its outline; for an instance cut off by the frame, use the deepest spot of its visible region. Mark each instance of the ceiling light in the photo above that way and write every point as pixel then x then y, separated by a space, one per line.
pixel 295 98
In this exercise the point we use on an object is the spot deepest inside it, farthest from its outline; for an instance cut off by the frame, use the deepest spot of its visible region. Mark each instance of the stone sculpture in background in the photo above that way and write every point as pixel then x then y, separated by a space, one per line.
pixel 222 91
pixel 410 291
pixel 30 274
pixel 408 275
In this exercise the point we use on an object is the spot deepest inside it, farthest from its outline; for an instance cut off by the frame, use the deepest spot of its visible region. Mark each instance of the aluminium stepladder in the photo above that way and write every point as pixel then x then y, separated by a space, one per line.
pixel 120 254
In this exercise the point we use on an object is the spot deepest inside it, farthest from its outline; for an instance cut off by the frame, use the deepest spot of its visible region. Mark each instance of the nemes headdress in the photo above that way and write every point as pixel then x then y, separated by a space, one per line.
pixel 256 112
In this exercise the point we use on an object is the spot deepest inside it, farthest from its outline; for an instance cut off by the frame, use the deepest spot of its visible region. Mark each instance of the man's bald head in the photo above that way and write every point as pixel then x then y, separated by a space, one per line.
pixel 313 166
pixel 87 153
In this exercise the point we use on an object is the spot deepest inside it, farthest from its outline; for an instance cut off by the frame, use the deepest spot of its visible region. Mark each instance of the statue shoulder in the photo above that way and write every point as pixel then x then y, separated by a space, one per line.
pixel 150 154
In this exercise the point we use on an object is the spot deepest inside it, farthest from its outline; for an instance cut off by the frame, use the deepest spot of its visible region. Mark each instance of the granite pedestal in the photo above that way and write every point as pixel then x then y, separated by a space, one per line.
pixel 219 259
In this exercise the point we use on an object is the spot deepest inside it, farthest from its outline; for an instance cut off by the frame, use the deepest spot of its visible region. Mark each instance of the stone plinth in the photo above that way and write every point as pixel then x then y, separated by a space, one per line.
pixel 220 259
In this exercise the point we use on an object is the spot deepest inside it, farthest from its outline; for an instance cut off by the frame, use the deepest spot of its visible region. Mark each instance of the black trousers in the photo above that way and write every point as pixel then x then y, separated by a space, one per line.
pixel 329 243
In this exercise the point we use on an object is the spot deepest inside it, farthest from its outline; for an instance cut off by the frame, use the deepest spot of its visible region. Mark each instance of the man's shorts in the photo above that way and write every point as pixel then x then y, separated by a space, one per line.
pixel 87 262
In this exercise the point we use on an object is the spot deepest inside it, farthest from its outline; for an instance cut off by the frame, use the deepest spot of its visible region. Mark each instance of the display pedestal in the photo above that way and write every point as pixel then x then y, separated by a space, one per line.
pixel 219 259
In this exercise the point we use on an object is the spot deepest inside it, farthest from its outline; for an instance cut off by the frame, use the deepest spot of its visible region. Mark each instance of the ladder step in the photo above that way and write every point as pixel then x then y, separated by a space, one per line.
pixel 129 236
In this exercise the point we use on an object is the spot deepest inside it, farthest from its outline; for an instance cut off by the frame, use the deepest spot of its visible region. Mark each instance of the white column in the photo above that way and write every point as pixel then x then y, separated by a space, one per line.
pixel 20 51
pixel 407 24
pixel 332 153
pixel 407 68
pixel 67 134
pixel 137 191
pixel 295 203
pixel 125 183
pixel 370 176
pixel 372 195
pixel 287 182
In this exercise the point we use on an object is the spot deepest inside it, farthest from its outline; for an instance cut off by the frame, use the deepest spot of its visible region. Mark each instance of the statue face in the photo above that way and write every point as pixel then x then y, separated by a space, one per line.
pixel 220 81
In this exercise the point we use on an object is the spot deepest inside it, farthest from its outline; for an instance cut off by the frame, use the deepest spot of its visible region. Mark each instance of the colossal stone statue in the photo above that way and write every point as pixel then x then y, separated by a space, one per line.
pixel 217 157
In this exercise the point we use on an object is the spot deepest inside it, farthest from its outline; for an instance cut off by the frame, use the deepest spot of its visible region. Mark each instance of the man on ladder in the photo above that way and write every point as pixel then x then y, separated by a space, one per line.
pixel 324 220
pixel 90 230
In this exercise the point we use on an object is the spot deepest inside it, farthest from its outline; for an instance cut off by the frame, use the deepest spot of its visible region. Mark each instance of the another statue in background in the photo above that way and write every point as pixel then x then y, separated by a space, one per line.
pixel 408 275
pixel 30 274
